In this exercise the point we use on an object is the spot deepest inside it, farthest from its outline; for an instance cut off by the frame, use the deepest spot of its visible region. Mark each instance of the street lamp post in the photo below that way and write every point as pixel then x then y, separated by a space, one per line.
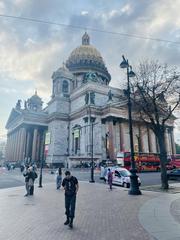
pixel 40 175
pixel 92 160
pixel 134 186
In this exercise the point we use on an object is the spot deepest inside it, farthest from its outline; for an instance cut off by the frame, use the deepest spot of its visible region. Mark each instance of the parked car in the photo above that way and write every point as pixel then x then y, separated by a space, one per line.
pixel 121 176
pixel 174 174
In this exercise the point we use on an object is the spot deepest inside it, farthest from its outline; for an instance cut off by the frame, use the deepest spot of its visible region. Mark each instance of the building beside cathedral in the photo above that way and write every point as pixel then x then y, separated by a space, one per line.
pixel 81 98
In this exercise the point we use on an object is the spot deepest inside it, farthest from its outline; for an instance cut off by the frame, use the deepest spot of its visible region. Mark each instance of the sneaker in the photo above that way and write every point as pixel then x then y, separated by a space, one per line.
pixel 66 222
pixel 26 195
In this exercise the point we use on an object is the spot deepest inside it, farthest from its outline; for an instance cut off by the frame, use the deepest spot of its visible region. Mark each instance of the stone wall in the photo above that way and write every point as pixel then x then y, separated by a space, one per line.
pixel 59 141
pixel 77 103
pixel 59 105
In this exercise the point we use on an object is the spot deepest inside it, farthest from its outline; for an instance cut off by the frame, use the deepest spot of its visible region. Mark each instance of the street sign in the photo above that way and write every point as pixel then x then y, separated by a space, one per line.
pixel 76 133
pixel 136 148
pixel 48 138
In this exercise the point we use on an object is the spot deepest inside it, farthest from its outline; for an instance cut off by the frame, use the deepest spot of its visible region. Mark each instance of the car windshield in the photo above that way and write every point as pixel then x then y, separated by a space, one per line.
pixel 120 155
pixel 125 173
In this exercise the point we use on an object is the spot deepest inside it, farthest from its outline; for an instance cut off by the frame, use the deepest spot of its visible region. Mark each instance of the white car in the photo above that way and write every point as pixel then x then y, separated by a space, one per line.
pixel 121 176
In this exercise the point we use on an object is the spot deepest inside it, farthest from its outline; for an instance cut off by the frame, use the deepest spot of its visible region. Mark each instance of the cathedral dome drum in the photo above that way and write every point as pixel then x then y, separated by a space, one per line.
pixel 34 103
pixel 87 58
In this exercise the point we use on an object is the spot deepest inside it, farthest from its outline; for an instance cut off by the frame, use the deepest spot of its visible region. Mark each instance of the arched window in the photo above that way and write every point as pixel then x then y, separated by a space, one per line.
pixel 65 86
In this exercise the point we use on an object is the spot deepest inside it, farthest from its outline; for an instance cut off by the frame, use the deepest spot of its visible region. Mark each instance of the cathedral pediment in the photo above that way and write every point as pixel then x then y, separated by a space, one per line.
pixel 14 115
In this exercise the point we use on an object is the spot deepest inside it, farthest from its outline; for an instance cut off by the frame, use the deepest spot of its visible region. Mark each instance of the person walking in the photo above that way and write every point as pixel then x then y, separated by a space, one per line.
pixel 26 175
pixel 103 173
pixel 110 178
pixel 31 178
pixel 71 187
pixel 22 168
pixel 58 178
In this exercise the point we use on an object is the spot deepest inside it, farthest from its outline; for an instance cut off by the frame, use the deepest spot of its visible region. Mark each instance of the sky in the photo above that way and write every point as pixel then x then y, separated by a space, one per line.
pixel 30 52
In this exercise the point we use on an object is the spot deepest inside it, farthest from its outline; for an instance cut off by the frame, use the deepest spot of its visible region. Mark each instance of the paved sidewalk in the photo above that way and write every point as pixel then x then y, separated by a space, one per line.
pixel 156 217
pixel 100 215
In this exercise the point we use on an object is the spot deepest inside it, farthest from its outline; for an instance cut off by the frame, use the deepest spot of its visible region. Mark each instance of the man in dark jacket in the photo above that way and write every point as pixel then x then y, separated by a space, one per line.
pixel 32 176
pixel 71 186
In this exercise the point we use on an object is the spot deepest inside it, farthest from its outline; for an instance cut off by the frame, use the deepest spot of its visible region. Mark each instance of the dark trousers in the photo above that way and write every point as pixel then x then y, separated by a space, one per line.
pixel 70 203
pixel 31 190
pixel 58 182
pixel 110 184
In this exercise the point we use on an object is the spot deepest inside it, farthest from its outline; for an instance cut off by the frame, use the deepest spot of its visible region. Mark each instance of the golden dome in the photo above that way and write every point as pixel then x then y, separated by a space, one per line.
pixel 87 57
pixel 85 52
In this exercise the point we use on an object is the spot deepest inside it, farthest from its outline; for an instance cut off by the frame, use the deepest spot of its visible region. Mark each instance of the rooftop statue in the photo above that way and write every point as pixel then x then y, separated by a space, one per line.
pixel 18 104
pixel 25 104
pixel 110 95
pixel 90 77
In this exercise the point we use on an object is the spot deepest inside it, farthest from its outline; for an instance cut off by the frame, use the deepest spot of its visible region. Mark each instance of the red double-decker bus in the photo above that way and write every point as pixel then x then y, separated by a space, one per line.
pixel 144 161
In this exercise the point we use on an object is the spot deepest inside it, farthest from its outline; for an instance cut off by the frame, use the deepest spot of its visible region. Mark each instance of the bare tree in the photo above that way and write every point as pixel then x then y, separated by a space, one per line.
pixel 156 95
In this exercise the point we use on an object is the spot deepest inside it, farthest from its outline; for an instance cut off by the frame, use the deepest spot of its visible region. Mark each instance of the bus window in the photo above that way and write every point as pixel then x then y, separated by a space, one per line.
pixel 127 163
pixel 127 154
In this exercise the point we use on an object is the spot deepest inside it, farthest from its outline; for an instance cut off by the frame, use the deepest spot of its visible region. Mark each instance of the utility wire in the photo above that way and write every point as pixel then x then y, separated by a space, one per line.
pixel 89 28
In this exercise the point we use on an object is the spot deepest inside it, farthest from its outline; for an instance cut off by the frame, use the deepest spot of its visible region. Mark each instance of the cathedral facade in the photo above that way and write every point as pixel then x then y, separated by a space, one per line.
pixel 85 117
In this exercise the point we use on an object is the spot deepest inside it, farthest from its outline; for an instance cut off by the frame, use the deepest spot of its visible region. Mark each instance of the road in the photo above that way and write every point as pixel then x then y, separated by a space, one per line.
pixel 14 178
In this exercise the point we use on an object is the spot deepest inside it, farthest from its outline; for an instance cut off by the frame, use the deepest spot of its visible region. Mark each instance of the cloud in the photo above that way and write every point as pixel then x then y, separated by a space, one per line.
pixel 30 61
pixel 8 90
pixel 84 13
pixel 2 7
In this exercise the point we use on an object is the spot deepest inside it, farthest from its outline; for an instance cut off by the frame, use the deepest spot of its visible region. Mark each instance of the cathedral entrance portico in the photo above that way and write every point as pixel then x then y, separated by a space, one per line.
pixel 34 144
pixel 25 144
pixel 114 135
